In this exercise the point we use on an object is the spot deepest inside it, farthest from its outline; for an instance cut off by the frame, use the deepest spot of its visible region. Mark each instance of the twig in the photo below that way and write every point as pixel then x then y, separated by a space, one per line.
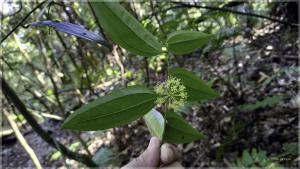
pixel 22 141
pixel 183 5
pixel 157 20
pixel 119 63
pixel 22 21
pixel 79 46
pixel 96 19
pixel 12 14
pixel 146 66
pixel 14 98
pixel 228 84
pixel 83 143
pixel 55 87
pixel 236 65
pixel 43 10
pixel 237 12
pixel 18 117
pixel 40 99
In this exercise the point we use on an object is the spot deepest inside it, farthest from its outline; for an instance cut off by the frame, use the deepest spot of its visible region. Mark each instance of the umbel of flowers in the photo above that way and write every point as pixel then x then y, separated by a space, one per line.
pixel 172 93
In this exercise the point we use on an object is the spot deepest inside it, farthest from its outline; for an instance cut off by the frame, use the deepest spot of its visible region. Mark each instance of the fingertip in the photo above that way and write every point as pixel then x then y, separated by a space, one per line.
pixel 154 143
pixel 156 139
pixel 149 158
pixel 169 154
pixel 152 153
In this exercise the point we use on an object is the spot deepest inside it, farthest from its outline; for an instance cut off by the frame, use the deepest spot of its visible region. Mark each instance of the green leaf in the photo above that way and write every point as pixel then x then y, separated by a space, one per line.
pixel 106 157
pixel 115 109
pixel 197 89
pixel 155 123
pixel 254 155
pixel 184 42
pixel 125 30
pixel 55 156
pixel 247 159
pixel 178 131
pixel 74 146
pixel 291 148
pixel 239 164
pixel 266 102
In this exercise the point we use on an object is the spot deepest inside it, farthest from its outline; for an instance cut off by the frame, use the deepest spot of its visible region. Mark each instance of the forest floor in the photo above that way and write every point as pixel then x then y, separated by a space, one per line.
pixel 264 66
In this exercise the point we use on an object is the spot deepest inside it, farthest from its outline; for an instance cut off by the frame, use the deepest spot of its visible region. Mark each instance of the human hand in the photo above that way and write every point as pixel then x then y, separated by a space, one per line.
pixel 156 156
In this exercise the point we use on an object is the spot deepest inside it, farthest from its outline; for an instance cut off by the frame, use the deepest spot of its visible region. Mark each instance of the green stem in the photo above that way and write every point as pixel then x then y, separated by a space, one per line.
pixel 165 121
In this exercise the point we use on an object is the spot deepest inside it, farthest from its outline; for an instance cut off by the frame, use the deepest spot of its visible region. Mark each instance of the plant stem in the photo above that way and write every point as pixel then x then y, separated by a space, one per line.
pixel 184 5
pixel 22 21
pixel 22 140
pixel 236 65
pixel 82 142
pixel 14 98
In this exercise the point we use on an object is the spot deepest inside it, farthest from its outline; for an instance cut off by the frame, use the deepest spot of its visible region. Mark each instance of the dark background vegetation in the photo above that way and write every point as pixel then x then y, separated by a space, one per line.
pixel 253 66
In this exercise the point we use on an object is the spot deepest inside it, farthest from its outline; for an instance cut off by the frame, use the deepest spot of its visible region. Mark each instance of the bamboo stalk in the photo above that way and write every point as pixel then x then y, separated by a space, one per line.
pixel 22 141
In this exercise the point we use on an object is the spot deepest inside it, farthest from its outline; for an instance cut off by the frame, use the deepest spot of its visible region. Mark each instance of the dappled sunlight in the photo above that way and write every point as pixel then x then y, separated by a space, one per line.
pixel 89 83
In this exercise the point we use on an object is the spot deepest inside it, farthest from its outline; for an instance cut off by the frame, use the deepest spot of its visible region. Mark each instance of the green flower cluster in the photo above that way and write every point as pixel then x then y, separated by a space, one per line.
pixel 172 93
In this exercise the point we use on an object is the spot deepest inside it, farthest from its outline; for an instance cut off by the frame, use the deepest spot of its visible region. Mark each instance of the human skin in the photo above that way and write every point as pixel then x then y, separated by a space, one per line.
pixel 156 156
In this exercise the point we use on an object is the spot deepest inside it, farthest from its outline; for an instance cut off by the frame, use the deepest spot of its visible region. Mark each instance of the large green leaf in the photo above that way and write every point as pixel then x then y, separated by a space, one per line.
pixel 115 109
pixel 125 30
pixel 197 89
pixel 155 123
pixel 184 42
pixel 178 131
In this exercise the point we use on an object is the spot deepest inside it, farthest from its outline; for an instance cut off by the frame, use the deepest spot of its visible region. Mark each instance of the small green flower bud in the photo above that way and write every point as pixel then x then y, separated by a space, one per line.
pixel 172 93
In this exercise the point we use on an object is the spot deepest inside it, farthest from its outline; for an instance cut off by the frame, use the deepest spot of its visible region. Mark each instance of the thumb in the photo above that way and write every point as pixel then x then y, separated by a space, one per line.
pixel 149 158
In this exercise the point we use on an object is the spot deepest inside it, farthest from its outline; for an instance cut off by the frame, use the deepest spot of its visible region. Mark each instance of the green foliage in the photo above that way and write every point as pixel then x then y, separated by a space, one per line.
pixel 126 105
pixel 266 102
pixel 184 42
pixel 173 129
pixel 106 157
pixel 125 30
pixel 55 156
pixel 74 146
pixel 178 131
pixel 197 89
pixel 68 71
pixel 115 109
pixel 289 150
pixel 19 117
pixel 257 159
pixel 155 123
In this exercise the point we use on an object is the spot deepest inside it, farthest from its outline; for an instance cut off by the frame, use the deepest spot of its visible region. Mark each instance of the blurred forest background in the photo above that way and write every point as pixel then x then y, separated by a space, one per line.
pixel 253 65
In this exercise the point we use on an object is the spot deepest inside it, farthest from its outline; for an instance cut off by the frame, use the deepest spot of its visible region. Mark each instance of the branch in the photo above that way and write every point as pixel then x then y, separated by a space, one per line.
pixel 183 5
pixel 14 98
pixel 22 140
pixel 22 21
